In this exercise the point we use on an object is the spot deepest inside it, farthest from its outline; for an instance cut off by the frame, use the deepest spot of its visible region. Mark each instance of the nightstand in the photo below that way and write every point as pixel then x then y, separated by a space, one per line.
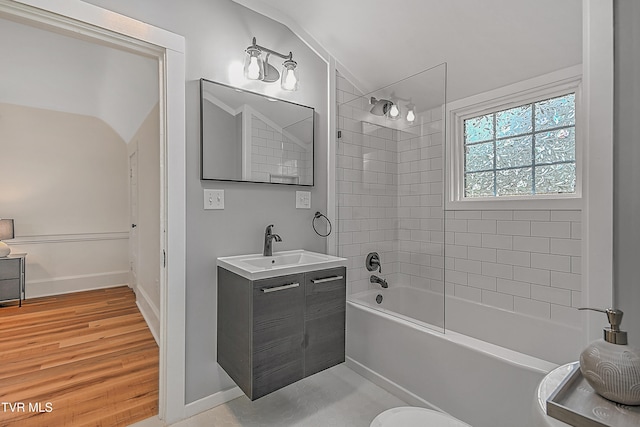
pixel 12 269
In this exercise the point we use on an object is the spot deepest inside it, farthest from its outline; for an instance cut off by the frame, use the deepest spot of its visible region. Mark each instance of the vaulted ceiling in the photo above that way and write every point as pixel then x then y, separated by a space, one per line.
pixel 485 43
pixel 57 72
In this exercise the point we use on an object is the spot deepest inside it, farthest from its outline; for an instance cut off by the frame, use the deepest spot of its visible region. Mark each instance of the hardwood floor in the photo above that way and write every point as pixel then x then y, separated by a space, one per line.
pixel 82 359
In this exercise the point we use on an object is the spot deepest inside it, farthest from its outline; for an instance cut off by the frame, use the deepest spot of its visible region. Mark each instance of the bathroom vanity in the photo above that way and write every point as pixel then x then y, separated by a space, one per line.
pixel 274 331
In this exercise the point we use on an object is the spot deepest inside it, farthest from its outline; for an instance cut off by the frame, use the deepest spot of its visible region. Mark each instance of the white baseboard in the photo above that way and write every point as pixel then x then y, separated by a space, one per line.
pixel 393 388
pixel 79 283
pixel 212 401
pixel 149 311
pixel 69 238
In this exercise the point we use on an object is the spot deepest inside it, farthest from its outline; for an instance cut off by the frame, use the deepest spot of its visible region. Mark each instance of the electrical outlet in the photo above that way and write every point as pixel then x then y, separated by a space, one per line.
pixel 213 199
pixel 303 199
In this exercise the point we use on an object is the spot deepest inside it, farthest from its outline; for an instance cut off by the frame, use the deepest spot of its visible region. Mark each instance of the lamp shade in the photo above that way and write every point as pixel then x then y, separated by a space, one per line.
pixel 394 111
pixel 289 80
pixel 6 229
pixel 411 114
pixel 6 232
pixel 253 64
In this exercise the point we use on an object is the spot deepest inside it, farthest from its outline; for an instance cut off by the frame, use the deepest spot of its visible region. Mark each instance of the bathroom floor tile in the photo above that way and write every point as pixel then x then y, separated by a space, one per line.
pixel 335 397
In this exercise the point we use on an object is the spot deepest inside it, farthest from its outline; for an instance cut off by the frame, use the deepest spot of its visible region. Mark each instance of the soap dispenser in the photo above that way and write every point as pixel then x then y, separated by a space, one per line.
pixel 611 366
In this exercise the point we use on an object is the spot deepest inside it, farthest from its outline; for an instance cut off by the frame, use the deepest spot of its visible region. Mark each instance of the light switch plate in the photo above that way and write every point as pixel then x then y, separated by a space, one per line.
pixel 303 199
pixel 213 199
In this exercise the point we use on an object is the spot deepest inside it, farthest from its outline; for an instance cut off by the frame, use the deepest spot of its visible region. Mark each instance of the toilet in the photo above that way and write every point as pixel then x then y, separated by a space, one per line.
pixel 409 416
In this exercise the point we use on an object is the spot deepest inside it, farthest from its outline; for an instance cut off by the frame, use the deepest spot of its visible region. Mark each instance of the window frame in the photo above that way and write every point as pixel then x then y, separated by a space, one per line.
pixel 526 92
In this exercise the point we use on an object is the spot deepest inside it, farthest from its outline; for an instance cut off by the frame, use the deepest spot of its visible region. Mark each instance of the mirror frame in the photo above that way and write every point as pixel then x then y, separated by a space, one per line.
pixel 313 136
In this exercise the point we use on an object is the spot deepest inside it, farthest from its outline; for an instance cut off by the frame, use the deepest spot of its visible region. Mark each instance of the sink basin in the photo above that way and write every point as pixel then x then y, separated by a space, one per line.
pixel 286 259
pixel 256 266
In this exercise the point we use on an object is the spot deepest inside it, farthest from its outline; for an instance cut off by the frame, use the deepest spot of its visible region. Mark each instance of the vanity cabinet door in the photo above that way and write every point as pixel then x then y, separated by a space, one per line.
pixel 278 334
pixel 325 295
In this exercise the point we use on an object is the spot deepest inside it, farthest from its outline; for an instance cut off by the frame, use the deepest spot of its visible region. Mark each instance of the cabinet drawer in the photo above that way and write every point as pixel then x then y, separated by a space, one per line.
pixel 9 268
pixel 9 289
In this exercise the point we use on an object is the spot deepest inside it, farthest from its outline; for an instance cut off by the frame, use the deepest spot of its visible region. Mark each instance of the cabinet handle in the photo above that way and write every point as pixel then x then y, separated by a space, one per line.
pixel 280 288
pixel 327 279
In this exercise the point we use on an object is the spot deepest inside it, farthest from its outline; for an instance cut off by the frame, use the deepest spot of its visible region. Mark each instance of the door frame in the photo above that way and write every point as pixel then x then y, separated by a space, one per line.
pixel 134 247
pixel 92 23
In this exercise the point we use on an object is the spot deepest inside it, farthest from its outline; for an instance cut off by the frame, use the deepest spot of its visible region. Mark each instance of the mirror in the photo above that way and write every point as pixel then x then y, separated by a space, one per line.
pixel 246 136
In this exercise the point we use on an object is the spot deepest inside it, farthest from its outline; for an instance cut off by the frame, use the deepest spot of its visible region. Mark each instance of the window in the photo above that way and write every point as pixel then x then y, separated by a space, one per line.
pixel 516 147
pixel 526 150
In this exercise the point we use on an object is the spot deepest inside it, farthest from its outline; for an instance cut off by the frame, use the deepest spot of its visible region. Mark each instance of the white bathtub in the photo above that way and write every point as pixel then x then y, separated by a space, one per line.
pixel 424 308
pixel 480 383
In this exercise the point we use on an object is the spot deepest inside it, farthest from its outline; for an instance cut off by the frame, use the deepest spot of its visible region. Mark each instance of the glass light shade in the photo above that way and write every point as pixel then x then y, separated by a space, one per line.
pixel 411 115
pixel 289 80
pixel 394 111
pixel 6 229
pixel 253 64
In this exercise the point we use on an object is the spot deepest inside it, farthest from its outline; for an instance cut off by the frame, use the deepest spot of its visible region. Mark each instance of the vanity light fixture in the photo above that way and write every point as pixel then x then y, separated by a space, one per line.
pixel 394 111
pixel 6 232
pixel 411 113
pixel 289 75
pixel 382 107
pixel 255 68
pixel 253 64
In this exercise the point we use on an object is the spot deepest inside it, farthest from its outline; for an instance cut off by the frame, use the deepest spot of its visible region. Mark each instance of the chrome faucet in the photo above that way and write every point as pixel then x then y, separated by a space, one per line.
pixel 379 280
pixel 268 244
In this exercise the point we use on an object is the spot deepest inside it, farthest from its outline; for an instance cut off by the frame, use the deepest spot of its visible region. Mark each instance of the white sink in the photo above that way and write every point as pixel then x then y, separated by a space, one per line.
pixel 256 266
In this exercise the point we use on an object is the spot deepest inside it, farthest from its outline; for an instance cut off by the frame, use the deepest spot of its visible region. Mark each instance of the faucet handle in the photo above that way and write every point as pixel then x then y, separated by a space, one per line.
pixel 373 261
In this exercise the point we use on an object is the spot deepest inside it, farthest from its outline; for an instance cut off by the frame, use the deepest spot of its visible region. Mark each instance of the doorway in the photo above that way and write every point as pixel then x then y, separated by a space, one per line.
pixel 103 27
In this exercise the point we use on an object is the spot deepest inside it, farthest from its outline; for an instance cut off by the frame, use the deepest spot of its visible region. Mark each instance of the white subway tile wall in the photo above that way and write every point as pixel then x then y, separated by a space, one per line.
pixel 367 192
pixel 390 184
pixel 389 197
pixel 274 153
pixel 534 259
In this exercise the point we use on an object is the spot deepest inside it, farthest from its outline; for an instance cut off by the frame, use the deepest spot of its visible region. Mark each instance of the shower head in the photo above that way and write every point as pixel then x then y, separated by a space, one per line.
pixel 380 106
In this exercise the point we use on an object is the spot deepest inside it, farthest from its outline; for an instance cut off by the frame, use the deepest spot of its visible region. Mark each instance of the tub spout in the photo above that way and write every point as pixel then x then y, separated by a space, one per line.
pixel 379 280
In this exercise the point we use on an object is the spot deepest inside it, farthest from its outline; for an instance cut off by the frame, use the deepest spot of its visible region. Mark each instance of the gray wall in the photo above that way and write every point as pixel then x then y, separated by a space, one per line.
pixel 222 148
pixel 627 165
pixel 216 33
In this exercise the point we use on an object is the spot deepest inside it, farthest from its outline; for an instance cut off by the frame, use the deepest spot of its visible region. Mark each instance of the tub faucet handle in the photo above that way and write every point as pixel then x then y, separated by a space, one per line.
pixel 373 261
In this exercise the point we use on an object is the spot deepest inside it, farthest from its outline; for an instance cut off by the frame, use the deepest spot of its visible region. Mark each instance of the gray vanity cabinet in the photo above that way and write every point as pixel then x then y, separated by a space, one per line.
pixel 274 332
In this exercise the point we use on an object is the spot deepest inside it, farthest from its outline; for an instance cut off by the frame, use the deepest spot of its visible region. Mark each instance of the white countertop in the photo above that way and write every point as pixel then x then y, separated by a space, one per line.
pixel 257 266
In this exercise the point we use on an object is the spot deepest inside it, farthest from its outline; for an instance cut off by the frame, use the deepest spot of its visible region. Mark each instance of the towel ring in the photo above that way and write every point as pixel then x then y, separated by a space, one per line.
pixel 313 223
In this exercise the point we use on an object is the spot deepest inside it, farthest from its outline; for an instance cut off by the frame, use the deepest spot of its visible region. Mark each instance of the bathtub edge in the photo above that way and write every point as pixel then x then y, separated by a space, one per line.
pixel 392 387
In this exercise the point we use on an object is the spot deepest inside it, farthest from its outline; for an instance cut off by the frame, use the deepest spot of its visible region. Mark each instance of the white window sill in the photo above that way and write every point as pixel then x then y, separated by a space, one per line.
pixel 515 203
